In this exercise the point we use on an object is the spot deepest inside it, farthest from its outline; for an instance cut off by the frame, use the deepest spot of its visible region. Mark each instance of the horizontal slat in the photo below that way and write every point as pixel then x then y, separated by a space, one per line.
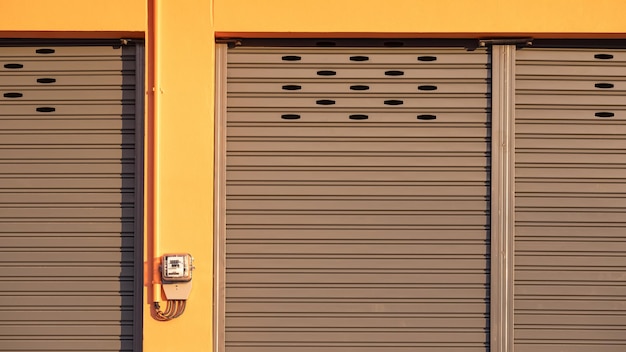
pixel 386 118
pixel 571 100
pixel 52 138
pixel 59 198
pixel 38 270
pixel 30 96
pixel 66 81
pixel 570 260
pixel 609 128
pixel 348 131
pixel 371 321
pixel 53 167
pixel 66 212
pixel 67 110
pixel 569 231
pixel 415 336
pixel 569 55
pixel 403 175
pixel 571 335
pixel 347 218
pixel 52 66
pixel 68 183
pixel 372 146
pixel 98 344
pixel 587 247
pixel 70 331
pixel 362 291
pixel 45 124
pixel 562 69
pixel 52 228
pixel 68 255
pixel 569 345
pixel 589 319
pixel 65 300
pixel 565 86
pixel 557 114
pixel 379 305
pixel 569 186
pixel 357 347
pixel 378 86
pixel 390 160
pixel 568 305
pixel 78 52
pixel 570 202
pixel 586 158
pixel 346 188
pixel 318 262
pixel 60 242
pixel 617 275
pixel 571 216
pixel 362 104
pixel 73 286
pixel 364 235
pixel 573 173
pixel 342 56
pixel 331 278
pixel 358 204
pixel 342 72
pixel 277 248
pixel 66 314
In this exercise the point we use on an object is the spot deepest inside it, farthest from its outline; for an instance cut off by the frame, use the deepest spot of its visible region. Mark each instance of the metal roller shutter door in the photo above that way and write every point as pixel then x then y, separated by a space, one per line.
pixel 357 196
pixel 571 200
pixel 68 198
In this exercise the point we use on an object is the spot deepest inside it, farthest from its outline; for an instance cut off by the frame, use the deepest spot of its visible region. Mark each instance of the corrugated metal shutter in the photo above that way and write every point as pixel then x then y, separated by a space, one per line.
pixel 357 200
pixel 67 198
pixel 571 200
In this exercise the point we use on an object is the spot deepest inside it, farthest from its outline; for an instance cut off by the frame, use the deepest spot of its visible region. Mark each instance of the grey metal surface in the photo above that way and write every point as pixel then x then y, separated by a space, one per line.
pixel 503 199
pixel 356 234
pixel 68 207
pixel 570 187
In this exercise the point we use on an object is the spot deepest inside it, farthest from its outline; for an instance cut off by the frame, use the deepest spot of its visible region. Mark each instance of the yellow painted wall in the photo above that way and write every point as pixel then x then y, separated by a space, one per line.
pixel 72 18
pixel 181 38
pixel 180 65
pixel 418 17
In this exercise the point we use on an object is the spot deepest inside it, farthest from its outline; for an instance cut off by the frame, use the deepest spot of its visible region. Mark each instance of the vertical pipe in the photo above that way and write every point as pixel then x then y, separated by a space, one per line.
pixel 502 196
pixel 155 108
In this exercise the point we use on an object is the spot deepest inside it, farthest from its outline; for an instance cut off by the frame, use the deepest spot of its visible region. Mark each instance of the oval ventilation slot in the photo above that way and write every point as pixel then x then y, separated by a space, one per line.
pixel 46 109
pixel 291 58
pixel 426 58
pixel 13 95
pixel 359 58
pixel 394 73
pixel 426 117
pixel 13 66
pixel 359 117
pixel 326 44
pixel 427 87
pixel 394 44
pixel 292 87
pixel 394 102
pixel 604 85
pixel 45 51
pixel 325 102
pixel 359 87
pixel 290 116
pixel 604 114
pixel 326 73
pixel 46 80
pixel 603 56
